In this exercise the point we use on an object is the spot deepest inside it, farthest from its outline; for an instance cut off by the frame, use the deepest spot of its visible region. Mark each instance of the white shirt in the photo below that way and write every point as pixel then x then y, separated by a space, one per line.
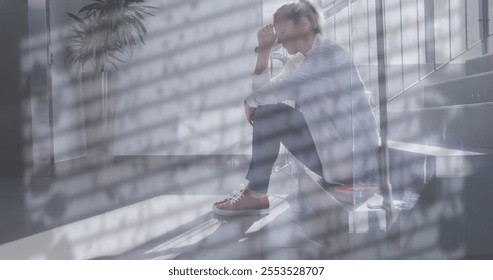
pixel 264 78
pixel 328 90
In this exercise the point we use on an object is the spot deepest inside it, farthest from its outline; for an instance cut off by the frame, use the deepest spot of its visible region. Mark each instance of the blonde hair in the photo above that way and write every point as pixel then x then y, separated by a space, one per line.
pixel 298 11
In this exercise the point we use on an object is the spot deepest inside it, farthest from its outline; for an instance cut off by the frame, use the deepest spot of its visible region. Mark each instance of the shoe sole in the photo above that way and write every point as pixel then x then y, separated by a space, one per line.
pixel 250 212
pixel 220 202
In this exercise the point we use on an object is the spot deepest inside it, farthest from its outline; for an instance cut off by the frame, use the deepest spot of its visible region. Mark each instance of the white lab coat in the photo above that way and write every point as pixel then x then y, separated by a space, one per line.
pixel 328 90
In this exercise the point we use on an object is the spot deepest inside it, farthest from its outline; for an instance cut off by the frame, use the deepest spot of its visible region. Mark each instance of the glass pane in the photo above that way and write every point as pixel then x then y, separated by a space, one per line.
pixel 394 47
pixel 442 32
pixel 458 26
pixel 425 67
pixel 490 17
pixel 472 23
pixel 410 40
pixel 342 28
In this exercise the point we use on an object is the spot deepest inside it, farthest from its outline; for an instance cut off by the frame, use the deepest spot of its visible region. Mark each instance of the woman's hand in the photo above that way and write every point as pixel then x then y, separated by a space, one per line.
pixel 266 37
pixel 250 112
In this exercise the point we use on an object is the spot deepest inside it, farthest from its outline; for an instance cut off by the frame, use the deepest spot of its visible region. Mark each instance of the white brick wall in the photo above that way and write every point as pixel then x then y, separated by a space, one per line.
pixel 182 92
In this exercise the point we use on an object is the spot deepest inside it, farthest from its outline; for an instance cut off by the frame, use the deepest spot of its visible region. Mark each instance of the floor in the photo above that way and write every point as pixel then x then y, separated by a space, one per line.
pixel 279 235
pixel 171 217
pixel 148 211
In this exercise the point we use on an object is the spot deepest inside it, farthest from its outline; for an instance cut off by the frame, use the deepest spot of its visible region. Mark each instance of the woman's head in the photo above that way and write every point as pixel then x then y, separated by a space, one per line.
pixel 294 23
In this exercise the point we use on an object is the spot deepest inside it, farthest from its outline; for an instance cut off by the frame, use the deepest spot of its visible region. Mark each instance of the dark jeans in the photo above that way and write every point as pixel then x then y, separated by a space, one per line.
pixel 273 125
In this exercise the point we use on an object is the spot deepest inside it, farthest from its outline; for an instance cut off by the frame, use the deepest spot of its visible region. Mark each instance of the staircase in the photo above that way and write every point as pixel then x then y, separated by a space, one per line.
pixel 454 131
pixel 456 113
pixel 441 163
pixel 440 152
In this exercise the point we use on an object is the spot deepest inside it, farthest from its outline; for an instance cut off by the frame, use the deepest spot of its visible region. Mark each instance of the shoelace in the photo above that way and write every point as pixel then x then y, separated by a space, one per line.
pixel 237 194
pixel 237 198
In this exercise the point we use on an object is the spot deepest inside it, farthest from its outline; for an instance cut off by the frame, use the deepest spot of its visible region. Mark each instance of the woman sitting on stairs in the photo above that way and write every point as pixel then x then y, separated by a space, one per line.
pixel 332 131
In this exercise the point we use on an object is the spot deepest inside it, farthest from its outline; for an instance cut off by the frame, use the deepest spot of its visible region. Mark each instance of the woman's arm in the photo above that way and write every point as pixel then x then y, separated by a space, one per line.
pixel 282 89
pixel 266 39
pixel 260 77
pixel 318 67
pixel 263 76
pixel 262 60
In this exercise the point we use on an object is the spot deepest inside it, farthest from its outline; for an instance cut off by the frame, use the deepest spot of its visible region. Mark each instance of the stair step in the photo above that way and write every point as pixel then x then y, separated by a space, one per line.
pixel 448 162
pixel 479 65
pixel 459 126
pixel 472 89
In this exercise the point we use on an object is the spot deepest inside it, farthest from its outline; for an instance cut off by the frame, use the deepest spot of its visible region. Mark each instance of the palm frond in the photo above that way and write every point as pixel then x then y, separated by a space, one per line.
pixel 103 29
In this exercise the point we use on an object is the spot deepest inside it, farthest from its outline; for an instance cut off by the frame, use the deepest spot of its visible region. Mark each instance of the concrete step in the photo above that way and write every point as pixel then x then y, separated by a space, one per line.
pixel 417 170
pixel 445 162
pixel 449 191
pixel 414 169
pixel 346 221
pixel 465 127
pixel 477 88
pixel 479 65
pixel 458 196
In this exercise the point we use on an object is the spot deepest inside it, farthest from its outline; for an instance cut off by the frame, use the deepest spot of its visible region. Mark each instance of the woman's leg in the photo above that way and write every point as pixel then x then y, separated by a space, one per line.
pixel 273 125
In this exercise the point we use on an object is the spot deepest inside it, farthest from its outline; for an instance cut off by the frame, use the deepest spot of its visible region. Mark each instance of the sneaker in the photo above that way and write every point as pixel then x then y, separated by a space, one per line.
pixel 232 195
pixel 243 204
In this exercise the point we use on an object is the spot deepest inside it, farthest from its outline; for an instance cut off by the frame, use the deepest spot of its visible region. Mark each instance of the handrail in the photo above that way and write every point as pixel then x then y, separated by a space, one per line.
pixel 336 7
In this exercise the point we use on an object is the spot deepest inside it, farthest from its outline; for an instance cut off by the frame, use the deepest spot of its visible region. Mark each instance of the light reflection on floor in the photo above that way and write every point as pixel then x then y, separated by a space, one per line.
pixel 167 227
